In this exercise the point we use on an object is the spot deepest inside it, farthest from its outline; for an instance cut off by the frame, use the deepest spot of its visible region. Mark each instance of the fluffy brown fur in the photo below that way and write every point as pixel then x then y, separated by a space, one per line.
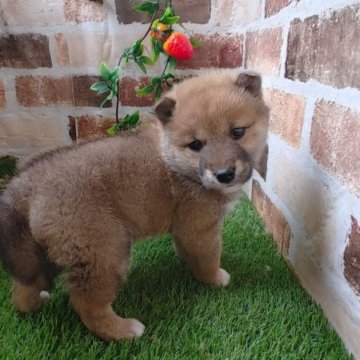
pixel 80 208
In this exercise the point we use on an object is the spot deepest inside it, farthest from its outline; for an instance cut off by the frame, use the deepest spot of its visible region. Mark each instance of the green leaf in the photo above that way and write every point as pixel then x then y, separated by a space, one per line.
pixel 108 98
pixel 114 76
pixel 141 66
pixel 169 75
pixel 113 129
pixel 152 40
pixel 158 92
pixel 195 43
pixel 172 63
pixel 146 60
pixel 166 14
pixel 105 71
pixel 100 87
pixel 138 48
pixel 156 80
pixel 129 121
pixel 155 24
pixel 156 53
pixel 147 7
pixel 134 118
pixel 160 45
pixel 171 20
pixel 145 90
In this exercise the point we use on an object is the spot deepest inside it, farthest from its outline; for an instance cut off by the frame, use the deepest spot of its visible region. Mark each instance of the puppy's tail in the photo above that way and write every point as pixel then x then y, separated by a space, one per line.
pixel 20 256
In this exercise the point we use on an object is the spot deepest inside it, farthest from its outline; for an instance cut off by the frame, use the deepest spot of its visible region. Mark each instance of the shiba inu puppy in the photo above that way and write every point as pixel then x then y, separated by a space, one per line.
pixel 78 209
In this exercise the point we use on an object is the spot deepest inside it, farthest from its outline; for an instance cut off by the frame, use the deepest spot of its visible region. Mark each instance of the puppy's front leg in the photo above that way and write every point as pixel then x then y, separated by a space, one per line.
pixel 200 247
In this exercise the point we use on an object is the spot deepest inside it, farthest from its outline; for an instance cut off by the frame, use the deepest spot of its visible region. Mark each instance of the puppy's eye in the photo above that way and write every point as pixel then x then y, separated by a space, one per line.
pixel 237 133
pixel 196 145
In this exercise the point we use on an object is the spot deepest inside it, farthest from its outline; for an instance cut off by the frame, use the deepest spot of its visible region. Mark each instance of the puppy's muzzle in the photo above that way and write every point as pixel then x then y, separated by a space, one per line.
pixel 225 175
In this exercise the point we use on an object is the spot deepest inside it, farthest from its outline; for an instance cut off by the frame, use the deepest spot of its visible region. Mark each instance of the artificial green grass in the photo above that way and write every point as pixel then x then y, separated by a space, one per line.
pixel 263 313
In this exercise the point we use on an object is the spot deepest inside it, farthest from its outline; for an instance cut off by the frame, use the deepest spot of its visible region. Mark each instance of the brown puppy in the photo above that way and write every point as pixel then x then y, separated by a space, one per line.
pixel 79 208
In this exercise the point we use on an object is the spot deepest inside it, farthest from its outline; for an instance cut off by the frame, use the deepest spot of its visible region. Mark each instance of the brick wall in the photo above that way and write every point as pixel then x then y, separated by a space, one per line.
pixel 307 187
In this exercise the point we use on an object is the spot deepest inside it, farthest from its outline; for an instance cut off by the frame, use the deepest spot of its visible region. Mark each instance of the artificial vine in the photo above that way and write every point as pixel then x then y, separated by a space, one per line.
pixel 164 40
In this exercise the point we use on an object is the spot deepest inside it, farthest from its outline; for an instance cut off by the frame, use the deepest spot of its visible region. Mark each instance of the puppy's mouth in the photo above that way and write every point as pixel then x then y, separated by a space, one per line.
pixel 226 179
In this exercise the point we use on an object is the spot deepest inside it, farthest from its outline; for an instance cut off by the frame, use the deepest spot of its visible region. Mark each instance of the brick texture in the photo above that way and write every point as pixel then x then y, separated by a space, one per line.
pixel 274 6
pixel 286 115
pixel 128 95
pixel 79 49
pixel 43 91
pixel 218 51
pixel 90 127
pixel 50 91
pixel 274 220
pixel 189 11
pixel 335 141
pixel 28 51
pixel 2 96
pixel 326 50
pixel 352 257
pixel 84 10
pixel 62 50
pixel 31 132
pixel 32 12
pixel 263 50
pixel 83 96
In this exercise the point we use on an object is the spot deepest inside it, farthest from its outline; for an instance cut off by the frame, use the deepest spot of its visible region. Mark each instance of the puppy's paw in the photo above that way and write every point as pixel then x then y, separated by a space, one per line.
pixel 44 295
pixel 135 328
pixel 222 278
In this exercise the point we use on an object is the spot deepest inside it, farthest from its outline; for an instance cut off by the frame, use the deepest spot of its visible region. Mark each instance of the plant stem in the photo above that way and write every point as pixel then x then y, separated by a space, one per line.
pixel 166 65
pixel 151 22
pixel 123 56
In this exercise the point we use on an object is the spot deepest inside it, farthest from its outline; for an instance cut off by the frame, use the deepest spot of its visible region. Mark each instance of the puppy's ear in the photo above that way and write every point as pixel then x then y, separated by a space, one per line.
pixel 250 82
pixel 164 110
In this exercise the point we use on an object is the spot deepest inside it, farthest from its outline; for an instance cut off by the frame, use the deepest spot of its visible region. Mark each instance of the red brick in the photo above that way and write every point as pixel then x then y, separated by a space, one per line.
pixel 43 91
pixel 128 95
pixel 286 115
pixel 83 96
pixel 263 50
pixel 274 6
pixel 62 50
pixel 218 51
pixel 327 50
pixel 49 91
pixel 84 10
pixel 352 257
pixel 2 96
pixel 275 221
pixel 27 51
pixel 194 11
pixel 335 141
pixel 90 127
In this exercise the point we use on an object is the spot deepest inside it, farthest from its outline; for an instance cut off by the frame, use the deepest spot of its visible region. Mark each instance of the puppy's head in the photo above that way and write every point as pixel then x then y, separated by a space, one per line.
pixel 214 128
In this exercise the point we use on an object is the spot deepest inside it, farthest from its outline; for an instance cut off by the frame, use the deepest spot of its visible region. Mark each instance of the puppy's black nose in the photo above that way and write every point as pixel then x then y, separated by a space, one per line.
pixel 225 175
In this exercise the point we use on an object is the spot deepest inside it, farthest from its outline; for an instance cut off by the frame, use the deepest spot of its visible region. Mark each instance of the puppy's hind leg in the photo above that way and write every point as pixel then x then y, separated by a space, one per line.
pixel 30 289
pixel 93 282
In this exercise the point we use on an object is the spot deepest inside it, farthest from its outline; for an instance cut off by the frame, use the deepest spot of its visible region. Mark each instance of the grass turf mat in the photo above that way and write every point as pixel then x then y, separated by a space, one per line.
pixel 263 313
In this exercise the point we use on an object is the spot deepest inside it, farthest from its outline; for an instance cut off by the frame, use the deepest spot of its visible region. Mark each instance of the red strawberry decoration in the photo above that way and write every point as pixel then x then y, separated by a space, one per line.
pixel 178 46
